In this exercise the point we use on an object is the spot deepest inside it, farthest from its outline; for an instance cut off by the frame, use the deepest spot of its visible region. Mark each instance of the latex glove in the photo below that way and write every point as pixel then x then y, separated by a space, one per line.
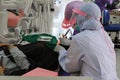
pixel 58 48
pixel 65 41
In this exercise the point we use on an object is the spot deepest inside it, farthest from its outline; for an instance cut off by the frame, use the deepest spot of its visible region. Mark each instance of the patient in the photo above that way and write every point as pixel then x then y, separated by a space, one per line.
pixel 19 59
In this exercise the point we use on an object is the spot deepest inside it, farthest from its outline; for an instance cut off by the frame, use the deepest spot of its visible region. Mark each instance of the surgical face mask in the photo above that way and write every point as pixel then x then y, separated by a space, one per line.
pixel 77 27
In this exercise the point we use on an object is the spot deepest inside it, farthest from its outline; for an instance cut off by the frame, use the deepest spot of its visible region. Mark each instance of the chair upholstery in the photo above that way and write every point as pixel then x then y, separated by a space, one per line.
pixel 13 19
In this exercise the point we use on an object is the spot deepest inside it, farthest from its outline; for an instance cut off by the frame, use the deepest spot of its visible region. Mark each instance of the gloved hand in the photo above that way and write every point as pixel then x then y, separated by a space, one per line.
pixel 65 41
pixel 58 48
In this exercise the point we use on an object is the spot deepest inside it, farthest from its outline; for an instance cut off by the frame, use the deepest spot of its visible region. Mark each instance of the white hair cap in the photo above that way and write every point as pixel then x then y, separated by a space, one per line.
pixel 92 19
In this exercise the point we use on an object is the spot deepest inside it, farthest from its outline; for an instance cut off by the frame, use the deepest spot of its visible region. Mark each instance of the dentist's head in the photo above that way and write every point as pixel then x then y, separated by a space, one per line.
pixel 88 17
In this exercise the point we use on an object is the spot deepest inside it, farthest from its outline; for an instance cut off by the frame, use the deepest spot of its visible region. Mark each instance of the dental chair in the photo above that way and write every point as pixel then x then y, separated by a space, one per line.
pixel 110 28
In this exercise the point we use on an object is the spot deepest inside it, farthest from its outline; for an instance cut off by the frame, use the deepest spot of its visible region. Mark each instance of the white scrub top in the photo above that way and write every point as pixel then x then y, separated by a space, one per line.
pixel 90 55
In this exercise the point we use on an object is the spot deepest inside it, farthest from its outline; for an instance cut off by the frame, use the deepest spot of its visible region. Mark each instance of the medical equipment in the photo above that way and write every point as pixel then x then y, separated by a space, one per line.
pixel 40 18
pixel 57 1
pixel 44 20
pixel 3 20
pixel 7 4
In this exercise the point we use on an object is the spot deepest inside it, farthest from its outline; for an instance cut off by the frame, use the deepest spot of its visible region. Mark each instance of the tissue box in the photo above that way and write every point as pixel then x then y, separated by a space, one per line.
pixel 41 72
